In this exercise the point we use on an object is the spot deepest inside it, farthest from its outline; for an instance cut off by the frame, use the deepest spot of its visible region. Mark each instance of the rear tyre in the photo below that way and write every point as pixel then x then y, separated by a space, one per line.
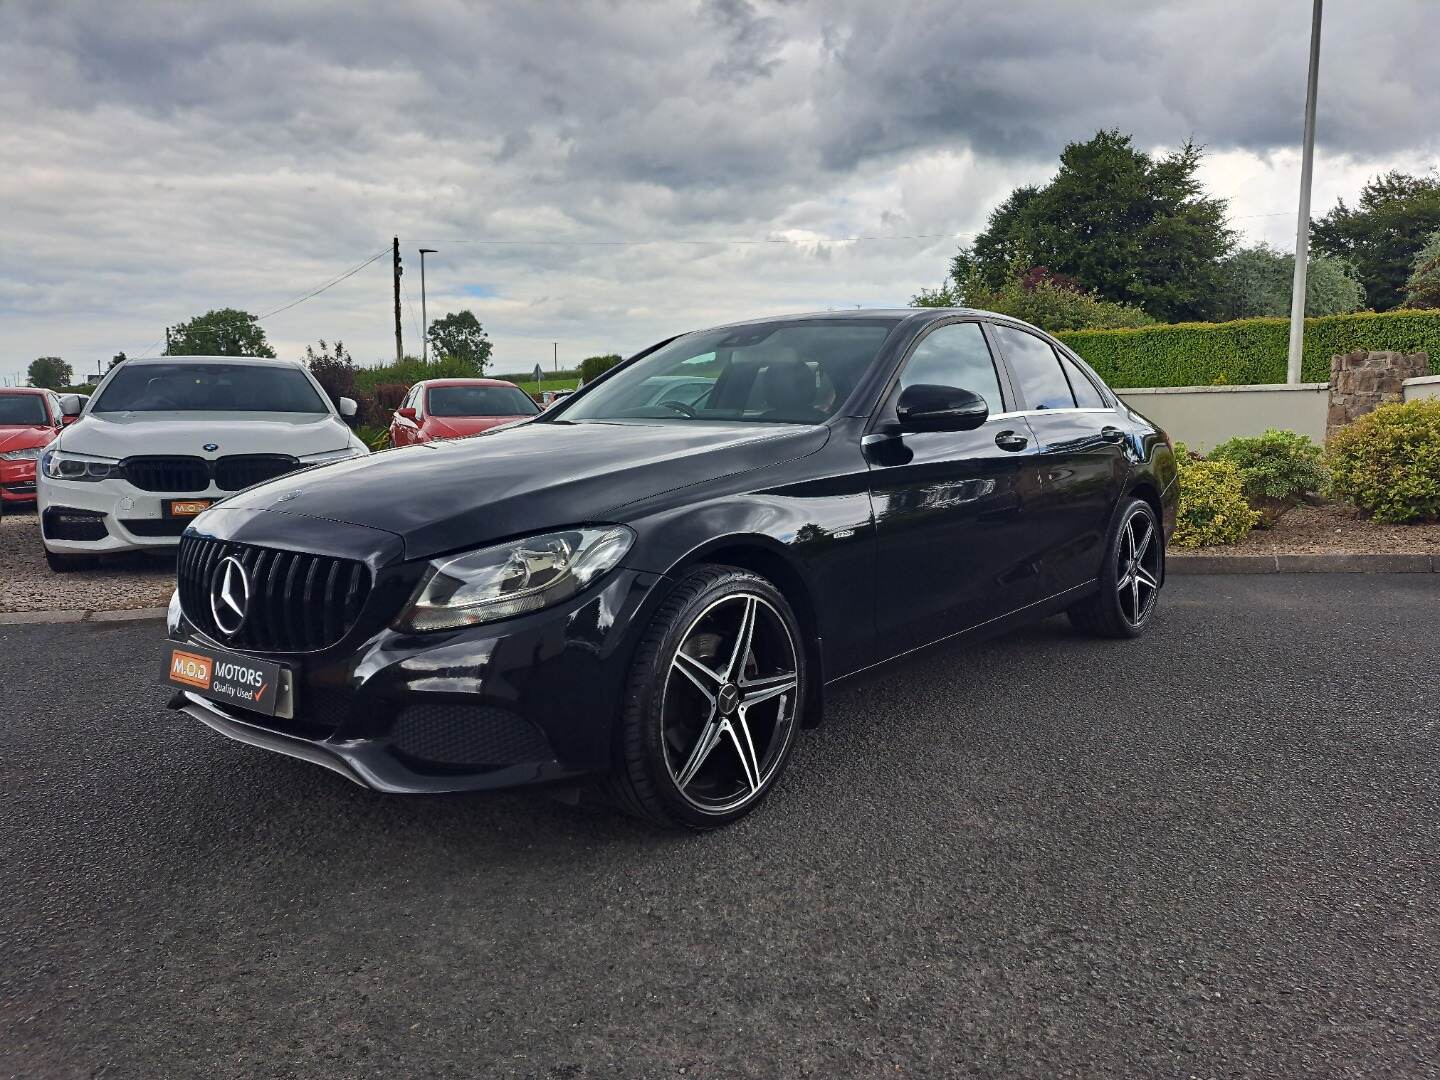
pixel 713 702
pixel 1131 579
pixel 65 564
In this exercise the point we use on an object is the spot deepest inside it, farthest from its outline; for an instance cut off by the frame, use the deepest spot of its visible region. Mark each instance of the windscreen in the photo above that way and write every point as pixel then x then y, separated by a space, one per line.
pixel 182 387
pixel 27 410
pixel 791 372
pixel 480 401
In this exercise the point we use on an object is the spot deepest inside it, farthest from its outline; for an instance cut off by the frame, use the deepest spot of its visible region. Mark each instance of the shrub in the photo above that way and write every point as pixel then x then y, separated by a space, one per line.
pixel 1246 351
pixel 1044 299
pixel 375 436
pixel 1213 509
pixel 1277 470
pixel 1388 462
pixel 333 370
pixel 593 367
pixel 411 370
pixel 389 395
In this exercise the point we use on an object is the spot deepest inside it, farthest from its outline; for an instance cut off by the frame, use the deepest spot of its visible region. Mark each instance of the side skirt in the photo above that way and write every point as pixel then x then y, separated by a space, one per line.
pixel 1030 613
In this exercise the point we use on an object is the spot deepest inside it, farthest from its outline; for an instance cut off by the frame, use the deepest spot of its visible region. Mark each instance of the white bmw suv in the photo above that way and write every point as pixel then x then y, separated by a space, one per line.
pixel 162 439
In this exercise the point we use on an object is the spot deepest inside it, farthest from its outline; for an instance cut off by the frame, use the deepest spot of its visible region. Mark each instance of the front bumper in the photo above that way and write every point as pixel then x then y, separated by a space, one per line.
pixel 132 518
pixel 525 701
pixel 17 481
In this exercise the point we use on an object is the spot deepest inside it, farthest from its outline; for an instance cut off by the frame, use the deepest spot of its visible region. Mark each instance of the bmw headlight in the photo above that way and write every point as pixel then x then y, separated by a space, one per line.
pixel 30 453
pixel 513 579
pixel 59 465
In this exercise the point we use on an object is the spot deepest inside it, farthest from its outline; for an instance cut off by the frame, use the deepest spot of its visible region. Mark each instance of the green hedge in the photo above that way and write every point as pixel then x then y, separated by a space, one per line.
pixel 1247 351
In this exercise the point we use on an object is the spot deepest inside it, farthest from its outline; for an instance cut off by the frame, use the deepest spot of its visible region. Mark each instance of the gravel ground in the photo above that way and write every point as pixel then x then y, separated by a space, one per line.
pixel 1330 529
pixel 1210 853
pixel 120 582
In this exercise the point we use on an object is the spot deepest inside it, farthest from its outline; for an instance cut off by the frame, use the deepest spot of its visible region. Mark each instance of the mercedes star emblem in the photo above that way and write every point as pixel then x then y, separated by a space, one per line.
pixel 229 595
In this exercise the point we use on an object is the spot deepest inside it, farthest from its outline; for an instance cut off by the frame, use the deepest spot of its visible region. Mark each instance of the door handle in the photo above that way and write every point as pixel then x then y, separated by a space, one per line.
pixel 1008 440
pixel 1110 433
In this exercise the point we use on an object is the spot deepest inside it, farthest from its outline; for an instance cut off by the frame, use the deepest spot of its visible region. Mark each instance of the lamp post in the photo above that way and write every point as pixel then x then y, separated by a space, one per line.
pixel 1302 228
pixel 424 319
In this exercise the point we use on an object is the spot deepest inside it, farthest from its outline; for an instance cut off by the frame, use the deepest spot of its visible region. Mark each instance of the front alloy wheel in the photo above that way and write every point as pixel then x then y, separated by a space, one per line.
pixel 715 700
pixel 729 703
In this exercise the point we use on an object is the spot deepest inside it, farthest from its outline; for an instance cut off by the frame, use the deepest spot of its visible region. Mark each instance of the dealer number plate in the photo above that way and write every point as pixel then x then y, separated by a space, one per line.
pixel 229 679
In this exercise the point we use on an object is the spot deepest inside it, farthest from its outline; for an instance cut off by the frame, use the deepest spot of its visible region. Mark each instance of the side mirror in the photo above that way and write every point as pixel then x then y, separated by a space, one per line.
pixel 408 413
pixel 70 406
pixel 347 407
pixel 926 407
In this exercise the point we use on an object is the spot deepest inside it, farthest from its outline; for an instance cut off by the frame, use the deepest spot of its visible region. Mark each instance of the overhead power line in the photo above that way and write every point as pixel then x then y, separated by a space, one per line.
pixel 770 240
pixel 287 305
pixel 329 284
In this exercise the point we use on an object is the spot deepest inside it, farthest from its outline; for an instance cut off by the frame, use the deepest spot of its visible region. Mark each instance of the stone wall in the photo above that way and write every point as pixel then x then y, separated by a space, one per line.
pixel 1362 381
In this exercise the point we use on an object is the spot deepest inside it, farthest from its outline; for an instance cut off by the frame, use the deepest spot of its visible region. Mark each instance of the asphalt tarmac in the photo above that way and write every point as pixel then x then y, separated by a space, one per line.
pixel 1209 853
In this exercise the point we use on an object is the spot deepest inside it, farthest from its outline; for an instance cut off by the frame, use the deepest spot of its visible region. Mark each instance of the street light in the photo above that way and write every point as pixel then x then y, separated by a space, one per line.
pixel 1302 227
pixel 424 320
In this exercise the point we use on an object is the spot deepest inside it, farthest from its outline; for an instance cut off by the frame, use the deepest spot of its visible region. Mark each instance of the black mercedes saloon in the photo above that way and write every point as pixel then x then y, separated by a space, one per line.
pixel 649 588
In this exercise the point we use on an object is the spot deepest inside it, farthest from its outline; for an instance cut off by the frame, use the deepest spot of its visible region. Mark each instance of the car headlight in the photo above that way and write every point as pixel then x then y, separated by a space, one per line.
pixel 30 453
pixel 513 579
pixel 59 465
pixel 343 454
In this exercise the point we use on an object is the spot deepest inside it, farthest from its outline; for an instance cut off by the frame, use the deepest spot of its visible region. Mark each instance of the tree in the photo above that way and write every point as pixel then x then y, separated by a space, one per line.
pixel 1049 301
pixel 1423 288
pixel 459 336
pixel 1383 234
pixel 1257 281
pixel 50 372
pixel 592 367
pixel 1132 228
pixel 116 360
pixel 333 370
pixel 224 332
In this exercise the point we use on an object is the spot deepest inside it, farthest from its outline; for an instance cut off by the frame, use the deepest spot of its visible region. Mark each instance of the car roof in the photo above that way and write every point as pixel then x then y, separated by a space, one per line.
pixel 267 361
pixel 923 314
pixel 465 382
pixel 26 390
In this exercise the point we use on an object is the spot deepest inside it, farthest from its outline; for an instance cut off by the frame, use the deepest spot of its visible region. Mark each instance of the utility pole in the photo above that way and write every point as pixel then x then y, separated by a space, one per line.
pixel 424 319
pixel 399 342
pixel 555 355
pixel 1302 227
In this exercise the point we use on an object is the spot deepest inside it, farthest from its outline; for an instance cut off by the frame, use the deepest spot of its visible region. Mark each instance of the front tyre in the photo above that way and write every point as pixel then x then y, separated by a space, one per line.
pixel 1130 580
pixel 713 702
pixel 65 564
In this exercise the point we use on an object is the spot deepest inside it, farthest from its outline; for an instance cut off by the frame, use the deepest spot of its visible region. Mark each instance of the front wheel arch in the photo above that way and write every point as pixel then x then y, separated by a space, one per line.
pixel 763 556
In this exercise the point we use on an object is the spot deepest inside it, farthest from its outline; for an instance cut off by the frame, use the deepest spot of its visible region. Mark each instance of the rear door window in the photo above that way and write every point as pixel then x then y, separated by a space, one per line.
pixel 1035 369
pixel 1086 396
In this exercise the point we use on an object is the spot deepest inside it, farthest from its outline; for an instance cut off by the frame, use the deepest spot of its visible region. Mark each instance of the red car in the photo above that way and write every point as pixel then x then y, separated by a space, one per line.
pixel 454 408
pixel 29 419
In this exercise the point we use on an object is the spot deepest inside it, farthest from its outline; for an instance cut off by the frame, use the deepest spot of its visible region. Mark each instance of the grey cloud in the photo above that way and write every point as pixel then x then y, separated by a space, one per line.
pixel 184 155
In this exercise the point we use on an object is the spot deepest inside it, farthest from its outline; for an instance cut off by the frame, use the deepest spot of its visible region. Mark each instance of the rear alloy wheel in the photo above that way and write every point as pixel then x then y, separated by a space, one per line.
pixel 714 701
pixel 1131 579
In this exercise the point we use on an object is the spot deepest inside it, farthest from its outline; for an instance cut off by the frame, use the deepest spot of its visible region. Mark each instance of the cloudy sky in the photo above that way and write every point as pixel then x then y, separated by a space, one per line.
pixel 577 164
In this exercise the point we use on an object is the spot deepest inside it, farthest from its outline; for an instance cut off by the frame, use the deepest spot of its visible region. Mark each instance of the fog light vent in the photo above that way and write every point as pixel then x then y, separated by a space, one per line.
pixel 63 523
pixel 474 735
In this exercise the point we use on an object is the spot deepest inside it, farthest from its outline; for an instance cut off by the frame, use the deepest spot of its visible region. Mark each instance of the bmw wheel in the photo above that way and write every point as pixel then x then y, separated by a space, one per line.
pixel 1130 580
pixel 714 701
